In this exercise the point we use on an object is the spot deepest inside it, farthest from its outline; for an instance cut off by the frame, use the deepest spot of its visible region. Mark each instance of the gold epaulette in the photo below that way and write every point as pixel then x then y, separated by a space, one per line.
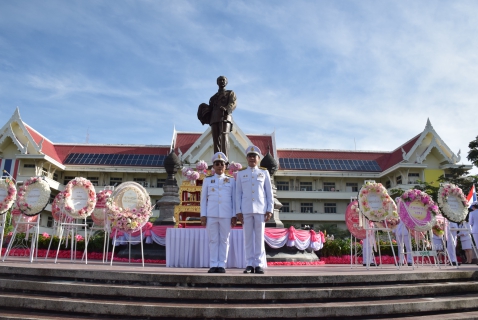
pixel 263 168
pixel 243 169
pixel 209 176
pixel 229 175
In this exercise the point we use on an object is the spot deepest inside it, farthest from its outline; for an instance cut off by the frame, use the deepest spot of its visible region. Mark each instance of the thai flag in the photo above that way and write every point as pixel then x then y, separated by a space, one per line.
pixel 471 196
pixel 9 165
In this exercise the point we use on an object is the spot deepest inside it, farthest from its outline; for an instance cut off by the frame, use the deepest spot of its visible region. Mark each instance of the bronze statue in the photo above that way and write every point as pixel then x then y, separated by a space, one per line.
pixel 219 115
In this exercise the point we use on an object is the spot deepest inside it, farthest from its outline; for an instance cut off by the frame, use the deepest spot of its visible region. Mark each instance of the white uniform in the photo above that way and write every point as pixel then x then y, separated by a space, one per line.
pixel 451 240
pixel 402 236
pixel 253 199
pixel 218 205
pixel 473 221
pixel 464 236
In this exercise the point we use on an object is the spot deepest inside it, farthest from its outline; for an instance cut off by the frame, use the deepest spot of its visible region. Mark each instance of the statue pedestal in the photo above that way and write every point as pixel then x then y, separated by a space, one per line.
pixel 151 251
pixel 289 254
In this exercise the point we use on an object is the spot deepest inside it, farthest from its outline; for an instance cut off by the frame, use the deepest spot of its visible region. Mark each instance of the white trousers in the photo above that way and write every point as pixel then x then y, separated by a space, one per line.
pixel 451 245
pixel 218 230
pixel 253 229
pixel 404 240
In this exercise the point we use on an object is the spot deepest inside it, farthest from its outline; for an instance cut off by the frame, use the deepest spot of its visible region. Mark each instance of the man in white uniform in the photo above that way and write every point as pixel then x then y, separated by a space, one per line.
pixel 473 221
pixel 218 212
pixel 451 242
pixel 254 206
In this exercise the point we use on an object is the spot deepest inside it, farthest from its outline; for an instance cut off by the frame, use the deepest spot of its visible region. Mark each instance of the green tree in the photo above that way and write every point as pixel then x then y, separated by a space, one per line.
pixel 473 153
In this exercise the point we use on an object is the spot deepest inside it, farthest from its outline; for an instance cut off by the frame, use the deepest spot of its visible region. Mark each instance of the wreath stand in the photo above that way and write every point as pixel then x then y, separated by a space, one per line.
pixel 106 242
pixel 57 227
pixel 376 230
pixel 73 228
pixel 34 242
pixel 455 240
pixel 354 252
pixel 106 228
pixel 129 245
pixel 3 220
pixel 423 252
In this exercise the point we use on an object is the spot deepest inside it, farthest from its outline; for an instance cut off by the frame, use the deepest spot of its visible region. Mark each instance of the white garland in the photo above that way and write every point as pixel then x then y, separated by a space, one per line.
pixel 90 203
pixel 129 220
pixel 388 205
pixel 31 209
pixel 10 195
pixel 449 189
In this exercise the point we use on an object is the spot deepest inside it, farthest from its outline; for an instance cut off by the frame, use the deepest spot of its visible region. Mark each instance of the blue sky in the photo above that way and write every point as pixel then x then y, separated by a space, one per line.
pixel 321 74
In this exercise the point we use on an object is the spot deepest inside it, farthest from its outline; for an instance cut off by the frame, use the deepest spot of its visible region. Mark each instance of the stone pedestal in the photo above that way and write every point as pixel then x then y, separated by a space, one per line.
pixel 170 197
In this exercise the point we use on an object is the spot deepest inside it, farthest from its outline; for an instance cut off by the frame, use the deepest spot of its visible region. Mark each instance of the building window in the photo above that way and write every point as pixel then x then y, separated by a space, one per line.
pixel 141 181
pixel 388 184
pixel 160 183
pixel 329 186
pixel 413 178
pixel 399 180
pixel 351 187
pixel 282 185
pixel 55 176
pixel 305 186
pixel 330 207
pixel 29 166
pixel 49 223
pixel 285 207
pixel 306 207
pixel 67 179
pixel 115 181
pixel 307 226
pixel 93 180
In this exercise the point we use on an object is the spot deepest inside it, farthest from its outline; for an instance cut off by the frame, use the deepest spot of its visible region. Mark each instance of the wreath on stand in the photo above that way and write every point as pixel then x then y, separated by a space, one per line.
pixel 129 219
pixel 8 193
pixel 33 196
pixel 421 202
pixel 98 214
pixel 447 192
pixel 85 189
pixel 377 191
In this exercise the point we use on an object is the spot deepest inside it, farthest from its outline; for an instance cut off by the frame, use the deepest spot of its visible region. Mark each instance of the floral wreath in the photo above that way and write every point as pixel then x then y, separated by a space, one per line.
pixel 31 209
pixel 17 217
pixel 98 214
pixel 234 167
pixel 190 174
pixel 449 189
pixel 432 210
pixel 388 206
pixel 439 228
pixel 129 220
pixel 11 193
pixel 57 208
pixel 84 212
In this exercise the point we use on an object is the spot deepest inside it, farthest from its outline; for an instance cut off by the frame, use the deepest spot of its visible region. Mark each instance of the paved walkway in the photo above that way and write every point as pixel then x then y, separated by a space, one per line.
pixel 328 269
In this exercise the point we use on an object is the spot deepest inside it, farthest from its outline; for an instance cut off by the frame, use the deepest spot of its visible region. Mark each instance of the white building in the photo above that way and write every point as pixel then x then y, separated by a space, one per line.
pixel 314 186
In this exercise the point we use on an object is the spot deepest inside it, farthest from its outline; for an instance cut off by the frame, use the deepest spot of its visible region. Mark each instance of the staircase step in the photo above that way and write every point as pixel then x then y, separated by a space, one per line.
pixel 232 294
pixel 132 309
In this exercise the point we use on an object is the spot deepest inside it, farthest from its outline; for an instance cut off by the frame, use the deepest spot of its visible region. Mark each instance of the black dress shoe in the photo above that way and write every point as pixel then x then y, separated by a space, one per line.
pixel 212 270
pixel 410 264
pixel 220 270
pixel 249 269
pixel 455 263
pixel 372 265
pixel 259 270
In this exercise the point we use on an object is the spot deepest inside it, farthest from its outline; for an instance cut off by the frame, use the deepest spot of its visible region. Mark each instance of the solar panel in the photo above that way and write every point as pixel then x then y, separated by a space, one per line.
pixel 116 159
pixel 328 164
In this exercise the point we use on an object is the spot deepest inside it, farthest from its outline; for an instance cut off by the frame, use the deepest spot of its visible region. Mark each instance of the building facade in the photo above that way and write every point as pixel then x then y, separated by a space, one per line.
pixel 314 186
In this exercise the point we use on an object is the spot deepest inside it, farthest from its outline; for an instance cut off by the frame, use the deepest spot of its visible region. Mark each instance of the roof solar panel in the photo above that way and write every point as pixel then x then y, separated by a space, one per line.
pixel 115 159
pixel 328 164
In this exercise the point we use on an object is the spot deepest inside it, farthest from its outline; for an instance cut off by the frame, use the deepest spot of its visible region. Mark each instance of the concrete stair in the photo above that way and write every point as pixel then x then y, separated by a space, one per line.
pixel 54 293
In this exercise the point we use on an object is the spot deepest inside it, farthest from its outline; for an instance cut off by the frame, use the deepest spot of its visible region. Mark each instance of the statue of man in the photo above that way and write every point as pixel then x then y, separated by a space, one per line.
pixel 219 115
